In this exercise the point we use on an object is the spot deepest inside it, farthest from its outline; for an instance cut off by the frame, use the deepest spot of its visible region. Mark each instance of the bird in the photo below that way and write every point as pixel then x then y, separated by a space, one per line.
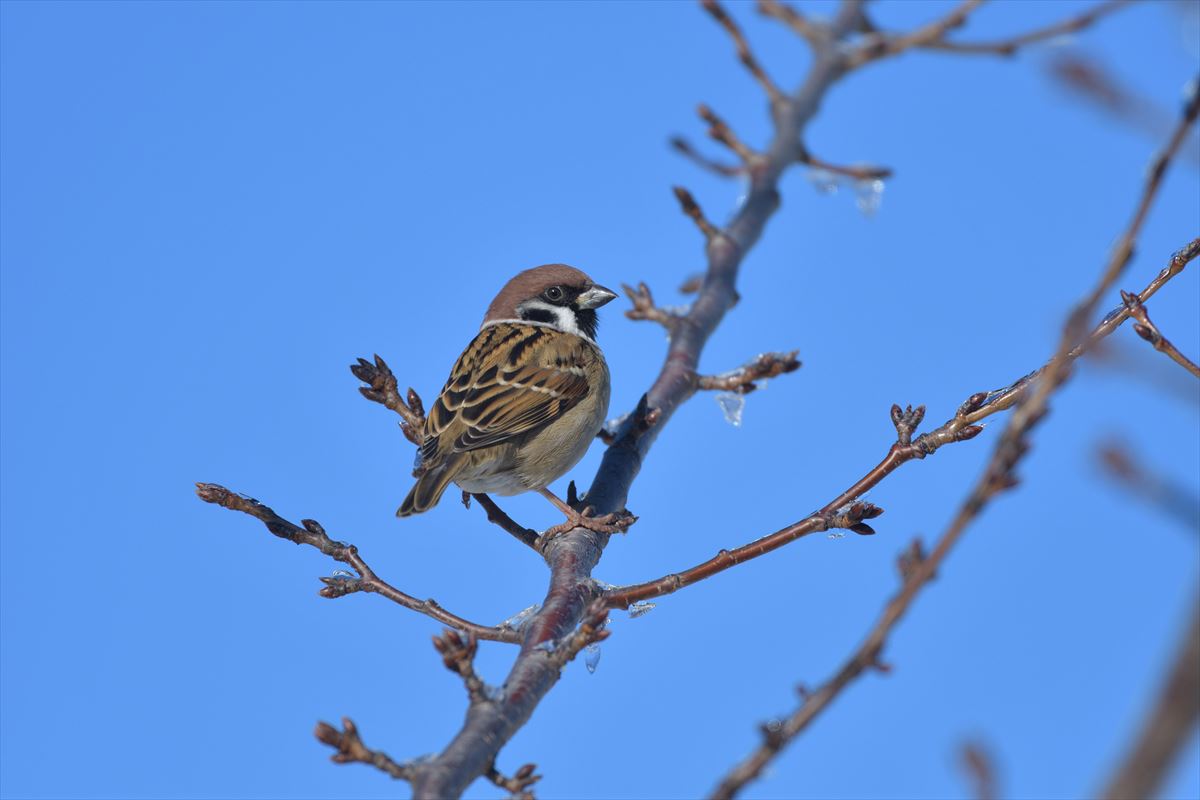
pixel 524 400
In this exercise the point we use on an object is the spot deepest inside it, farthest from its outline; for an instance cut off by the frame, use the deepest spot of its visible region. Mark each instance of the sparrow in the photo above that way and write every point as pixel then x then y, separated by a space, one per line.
pixel 524 400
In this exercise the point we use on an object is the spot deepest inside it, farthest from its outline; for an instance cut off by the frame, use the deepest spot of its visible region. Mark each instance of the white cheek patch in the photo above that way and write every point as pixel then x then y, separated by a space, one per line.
pixel 564 318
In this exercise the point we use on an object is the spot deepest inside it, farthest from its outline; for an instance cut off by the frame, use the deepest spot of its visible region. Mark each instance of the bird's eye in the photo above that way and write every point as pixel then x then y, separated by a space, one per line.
pixel 554 294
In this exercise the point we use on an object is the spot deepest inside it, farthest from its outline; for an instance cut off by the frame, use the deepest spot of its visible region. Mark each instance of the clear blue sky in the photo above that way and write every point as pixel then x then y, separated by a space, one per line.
pixel 210 209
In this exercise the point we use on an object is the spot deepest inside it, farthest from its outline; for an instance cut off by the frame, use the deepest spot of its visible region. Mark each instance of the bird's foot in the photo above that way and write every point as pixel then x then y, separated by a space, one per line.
pixel 616 522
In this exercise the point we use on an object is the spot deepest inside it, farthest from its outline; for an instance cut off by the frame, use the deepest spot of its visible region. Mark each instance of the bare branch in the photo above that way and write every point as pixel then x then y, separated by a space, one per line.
pixel 1009 46
pixel 742 380
pixel 314 535
pixel 811 32
pixel 458 654
pixel 977 763
pixel 518 785
pixel 382 388
pixel 684 147
pixel 743 49
pixel 1176 501
pixel 999 475
pixel 881 45
pixel 688 204
pixel 351 750
pixel 1150 332
pixel 719 131
pixel 1168 726
pixel 645 309
pixel 854 172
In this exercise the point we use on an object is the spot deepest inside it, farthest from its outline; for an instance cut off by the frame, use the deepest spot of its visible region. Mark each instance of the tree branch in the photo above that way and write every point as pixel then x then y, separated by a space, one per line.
pixel 382 388
pixel 1150 332
pixel 743 379
pixel 351 750
pixel 998 476
pixel 496 516
pixel 1168 726
pixel 1009 46
pixel 743 49
pixel 314 535
pixel 1172 499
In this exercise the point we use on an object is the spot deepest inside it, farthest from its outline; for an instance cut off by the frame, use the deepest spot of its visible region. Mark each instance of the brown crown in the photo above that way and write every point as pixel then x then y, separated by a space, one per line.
pixel 531 283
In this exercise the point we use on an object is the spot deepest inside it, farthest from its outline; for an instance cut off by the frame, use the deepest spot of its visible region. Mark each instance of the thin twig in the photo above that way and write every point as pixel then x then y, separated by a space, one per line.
pixel 685 148
pixel 1174 500
pixel 858 172
pixel 1150 332
pixel 458 654
pixel 689 206
pixel 518 785
pixel 1167 727
pixel 1009 46
pixel 977 764
pixel 743 49
pixel 743 380
pixel 351 750
pixel 645 309
pixel 719 131
pixel 881 45
pixel 382 388
pixel 813 33
pixel 314 535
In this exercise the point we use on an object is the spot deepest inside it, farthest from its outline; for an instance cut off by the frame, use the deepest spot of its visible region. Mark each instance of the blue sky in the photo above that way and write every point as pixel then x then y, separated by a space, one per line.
pixel 209 210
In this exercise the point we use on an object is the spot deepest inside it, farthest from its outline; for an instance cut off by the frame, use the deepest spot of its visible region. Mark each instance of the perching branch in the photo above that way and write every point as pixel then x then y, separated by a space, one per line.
pixel 1150 332
pixel 496 516
pixel 998 476
pixel 314 535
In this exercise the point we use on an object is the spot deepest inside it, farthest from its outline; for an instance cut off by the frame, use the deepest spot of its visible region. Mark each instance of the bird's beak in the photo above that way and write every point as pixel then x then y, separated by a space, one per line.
pixel 595 297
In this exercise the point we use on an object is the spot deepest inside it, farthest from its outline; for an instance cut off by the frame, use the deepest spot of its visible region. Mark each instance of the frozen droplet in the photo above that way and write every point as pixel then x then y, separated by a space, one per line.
pixel 493 693
pixel 639 609
pixel 602 586
pixel 868 195
pixel 731 404
pixel 591 657
pixel 547 646
pixel 824 181
pixel 835 535
pixel 343 575
pixel 679 311
pixel 414 762
pixel 518 620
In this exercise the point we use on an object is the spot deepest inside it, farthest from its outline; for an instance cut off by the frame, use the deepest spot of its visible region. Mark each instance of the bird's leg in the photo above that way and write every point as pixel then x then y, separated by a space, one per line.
pixel 618 522
pixel 497 516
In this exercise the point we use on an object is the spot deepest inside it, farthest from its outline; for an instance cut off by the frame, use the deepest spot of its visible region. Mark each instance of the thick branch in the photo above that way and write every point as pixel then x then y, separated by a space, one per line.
pixel 1150 332
pixel 314 535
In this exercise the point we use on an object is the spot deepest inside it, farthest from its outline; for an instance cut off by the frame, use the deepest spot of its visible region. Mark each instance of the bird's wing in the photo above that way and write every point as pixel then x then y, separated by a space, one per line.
pixel 510 381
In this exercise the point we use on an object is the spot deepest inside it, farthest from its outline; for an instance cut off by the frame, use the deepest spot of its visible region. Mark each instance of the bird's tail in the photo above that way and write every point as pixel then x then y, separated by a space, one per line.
pixel 429 488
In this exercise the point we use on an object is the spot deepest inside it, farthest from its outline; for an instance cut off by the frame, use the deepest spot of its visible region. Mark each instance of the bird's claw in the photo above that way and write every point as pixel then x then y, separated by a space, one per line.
pixel 616 522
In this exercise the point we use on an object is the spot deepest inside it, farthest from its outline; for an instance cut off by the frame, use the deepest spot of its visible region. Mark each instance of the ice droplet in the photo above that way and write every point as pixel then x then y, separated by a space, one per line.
pixel 824 181
pixel 731 404
pixel 493 693
pixel 518 620
pixel 602 586
pixel 343 575
pixel 835 535
pixel 640 609
pixel 591 657
pixel 613 425
pixel 868 195
pixel 548 646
